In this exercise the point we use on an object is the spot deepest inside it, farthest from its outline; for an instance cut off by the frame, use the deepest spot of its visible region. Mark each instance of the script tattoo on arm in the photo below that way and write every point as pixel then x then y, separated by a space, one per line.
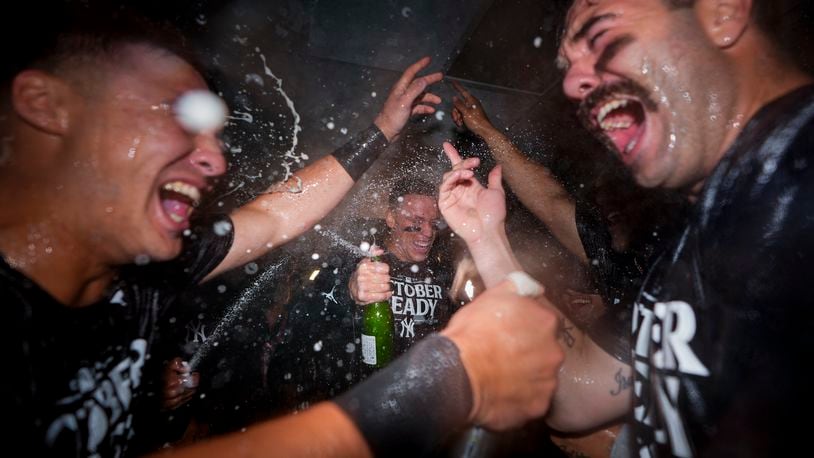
pixel 564 333
pixel 623 383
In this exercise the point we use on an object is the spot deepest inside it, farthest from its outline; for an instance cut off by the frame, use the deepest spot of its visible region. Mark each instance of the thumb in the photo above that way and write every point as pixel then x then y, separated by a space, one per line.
pixel 496 178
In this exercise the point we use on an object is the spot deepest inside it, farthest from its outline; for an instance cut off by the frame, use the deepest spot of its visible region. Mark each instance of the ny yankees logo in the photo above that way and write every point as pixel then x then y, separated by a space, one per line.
pixel 198 332
pixel 408 327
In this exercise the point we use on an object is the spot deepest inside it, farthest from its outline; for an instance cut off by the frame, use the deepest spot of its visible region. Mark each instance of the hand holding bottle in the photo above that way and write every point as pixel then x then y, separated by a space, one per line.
pixel 370 281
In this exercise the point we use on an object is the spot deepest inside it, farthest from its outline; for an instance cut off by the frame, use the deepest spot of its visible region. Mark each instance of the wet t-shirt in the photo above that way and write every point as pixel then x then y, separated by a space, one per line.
pixel 617 276
pixel 420 300
pixel 74 378
pixel 723 334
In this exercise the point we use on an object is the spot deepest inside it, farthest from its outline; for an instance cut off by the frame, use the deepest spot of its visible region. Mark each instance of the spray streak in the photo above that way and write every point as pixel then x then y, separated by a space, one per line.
pixel 339 241
pixel 248 296
pixel 232 191
pixel 295 139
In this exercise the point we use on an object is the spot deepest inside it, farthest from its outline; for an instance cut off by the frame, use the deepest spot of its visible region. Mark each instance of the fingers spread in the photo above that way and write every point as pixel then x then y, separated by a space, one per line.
pixel 495 178
pixel 455 178
pixel 409 74
pixel 452 153
pixel 430 98
pixel 423 109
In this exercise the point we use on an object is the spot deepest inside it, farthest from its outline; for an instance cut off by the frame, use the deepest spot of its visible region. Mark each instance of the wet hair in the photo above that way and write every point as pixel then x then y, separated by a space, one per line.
pixel 767 14
pixel 409 185
pixel 68 36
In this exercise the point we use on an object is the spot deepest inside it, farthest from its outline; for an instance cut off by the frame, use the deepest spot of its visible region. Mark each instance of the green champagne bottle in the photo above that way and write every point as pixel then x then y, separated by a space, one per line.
pixel 377 333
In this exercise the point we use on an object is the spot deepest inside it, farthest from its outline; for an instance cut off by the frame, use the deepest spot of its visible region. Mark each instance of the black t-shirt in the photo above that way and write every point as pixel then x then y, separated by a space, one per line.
pixel 722 331
pixel 75 376
pixel 420 300
pixel 618 276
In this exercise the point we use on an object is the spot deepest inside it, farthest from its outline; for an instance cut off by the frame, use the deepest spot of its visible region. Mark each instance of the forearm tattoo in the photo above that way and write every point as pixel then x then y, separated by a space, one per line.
pixel 565 333
pixel 622 382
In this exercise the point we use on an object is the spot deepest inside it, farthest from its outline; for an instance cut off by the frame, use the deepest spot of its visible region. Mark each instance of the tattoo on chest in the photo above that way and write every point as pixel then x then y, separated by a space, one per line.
pixel 565 333
pixel 622 382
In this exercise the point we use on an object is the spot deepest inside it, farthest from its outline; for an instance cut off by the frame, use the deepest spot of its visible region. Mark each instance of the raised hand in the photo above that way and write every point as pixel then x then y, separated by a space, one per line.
pixel 408 97
pixel 468 207
pixel 370 281
pixel 468 111
pixel 179 384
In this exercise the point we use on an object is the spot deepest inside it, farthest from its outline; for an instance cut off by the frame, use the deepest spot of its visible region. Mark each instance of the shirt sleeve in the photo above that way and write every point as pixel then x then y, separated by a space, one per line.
pixel 205 247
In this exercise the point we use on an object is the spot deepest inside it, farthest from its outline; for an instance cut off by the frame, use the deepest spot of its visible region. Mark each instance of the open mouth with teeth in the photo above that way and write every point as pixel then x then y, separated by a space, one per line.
pixel 178 199
pixel 621 120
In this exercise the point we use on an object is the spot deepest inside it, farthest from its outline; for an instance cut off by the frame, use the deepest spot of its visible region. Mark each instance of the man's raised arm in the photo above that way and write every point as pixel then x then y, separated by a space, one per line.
pixel 288 209
pixel 532 183
pixel 594 387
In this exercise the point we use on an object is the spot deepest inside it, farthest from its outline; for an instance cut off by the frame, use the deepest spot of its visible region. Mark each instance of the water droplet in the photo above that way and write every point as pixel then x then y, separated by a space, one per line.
pixel 414 268
pixel 318 346
pixel 538 41
pixel 142 260
pixel 350 347
pixel 315 256
pixel 251 268
pixel 330 125
pixel 221 289
pixel 222 228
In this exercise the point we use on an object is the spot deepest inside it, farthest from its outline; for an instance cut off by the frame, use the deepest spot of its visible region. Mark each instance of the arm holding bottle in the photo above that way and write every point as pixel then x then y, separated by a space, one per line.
pixel 288 209
pixel 478 370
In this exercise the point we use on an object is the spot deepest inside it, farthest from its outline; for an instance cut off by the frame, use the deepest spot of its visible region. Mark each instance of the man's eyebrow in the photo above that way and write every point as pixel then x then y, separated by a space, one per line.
pixel 611 50
pixel 583 31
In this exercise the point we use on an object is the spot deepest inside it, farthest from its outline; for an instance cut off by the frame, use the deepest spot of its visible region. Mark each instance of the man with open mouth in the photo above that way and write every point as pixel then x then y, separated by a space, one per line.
pixel 416 284
pixel 109 139
pixel 696 96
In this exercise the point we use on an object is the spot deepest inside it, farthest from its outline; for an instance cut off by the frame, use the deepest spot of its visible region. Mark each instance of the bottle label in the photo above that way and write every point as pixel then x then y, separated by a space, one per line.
pixel 369 349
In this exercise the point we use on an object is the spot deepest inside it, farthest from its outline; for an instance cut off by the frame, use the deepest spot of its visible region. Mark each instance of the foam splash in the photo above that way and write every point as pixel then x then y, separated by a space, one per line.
pixel 249 295
pixel 289 157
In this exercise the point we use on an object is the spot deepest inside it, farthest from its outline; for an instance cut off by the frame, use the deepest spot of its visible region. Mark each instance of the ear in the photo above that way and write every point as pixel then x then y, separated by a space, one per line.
pixel 725 21
pixel 390 219
pixel 41 100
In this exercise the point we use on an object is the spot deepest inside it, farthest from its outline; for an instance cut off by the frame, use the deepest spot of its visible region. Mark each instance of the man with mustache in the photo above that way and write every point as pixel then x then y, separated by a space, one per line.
pixel 100 174
pixel 695 96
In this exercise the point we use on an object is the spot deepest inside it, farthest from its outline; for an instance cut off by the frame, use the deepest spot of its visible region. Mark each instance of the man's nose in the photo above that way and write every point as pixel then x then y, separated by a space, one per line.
pixel 580 80
pixel 208 155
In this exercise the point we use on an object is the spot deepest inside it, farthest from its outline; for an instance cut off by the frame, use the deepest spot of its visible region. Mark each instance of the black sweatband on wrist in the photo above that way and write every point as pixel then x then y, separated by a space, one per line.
pixel 359 153
pixel 409 407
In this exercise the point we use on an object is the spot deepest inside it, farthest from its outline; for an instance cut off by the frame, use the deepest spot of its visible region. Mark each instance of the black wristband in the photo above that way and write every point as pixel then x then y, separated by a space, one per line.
pixel 409 407
pixel 358 154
